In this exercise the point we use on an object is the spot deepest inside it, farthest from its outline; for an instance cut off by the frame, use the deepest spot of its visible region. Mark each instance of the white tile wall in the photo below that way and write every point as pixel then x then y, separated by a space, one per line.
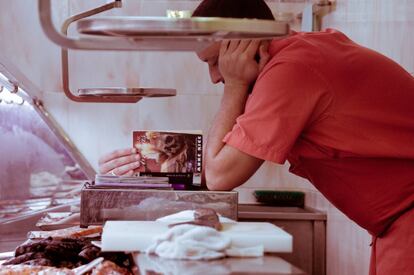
pixel 383 25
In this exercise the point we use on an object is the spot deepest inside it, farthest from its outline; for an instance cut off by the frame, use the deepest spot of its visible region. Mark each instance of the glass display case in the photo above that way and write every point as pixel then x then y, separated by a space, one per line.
pixel 39 166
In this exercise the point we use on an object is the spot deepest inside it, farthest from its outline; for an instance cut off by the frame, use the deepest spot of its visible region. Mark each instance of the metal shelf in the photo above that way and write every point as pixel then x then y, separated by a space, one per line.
pixel 155 33
pixel 140 92
pixel 143 34
pixel 197 28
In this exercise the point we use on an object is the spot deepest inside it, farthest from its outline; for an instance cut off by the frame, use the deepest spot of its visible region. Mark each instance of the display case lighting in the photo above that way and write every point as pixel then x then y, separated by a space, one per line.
pixel 8 92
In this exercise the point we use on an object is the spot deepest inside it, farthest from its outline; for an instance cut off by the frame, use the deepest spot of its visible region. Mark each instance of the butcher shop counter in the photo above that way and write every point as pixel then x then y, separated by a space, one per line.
pixel 269 264
pixel 149 264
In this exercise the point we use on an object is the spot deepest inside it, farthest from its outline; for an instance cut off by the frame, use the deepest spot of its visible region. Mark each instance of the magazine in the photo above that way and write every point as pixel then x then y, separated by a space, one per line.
pixel 176 155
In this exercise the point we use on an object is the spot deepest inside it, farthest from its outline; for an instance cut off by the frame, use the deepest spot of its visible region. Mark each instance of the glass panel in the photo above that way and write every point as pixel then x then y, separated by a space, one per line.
pixel 36 170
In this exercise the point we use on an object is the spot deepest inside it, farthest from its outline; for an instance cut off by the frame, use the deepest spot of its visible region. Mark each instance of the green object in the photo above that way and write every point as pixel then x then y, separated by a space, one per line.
pixel 280 198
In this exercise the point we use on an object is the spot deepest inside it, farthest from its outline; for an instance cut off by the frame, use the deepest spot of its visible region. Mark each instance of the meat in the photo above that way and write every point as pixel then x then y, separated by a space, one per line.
pixel 31 246
pixel 25 257
pixel 204 217
pixel 29 270
pixel 207 217
pixel 89 252
pixel 109 268
pixel 39 262
pixel 62 253
pixel 50 252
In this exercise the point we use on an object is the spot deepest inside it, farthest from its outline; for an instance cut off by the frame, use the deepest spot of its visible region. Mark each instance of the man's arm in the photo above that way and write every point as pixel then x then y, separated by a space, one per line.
pixel 225 166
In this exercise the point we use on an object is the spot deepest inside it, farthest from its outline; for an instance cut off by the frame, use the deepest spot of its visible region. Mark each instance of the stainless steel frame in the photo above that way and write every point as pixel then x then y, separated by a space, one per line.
pixel 182 40
pixel 103 94
pixel 101 204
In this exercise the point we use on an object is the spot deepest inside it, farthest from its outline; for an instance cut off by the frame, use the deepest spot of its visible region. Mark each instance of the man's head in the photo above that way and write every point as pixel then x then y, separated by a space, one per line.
pixel 256 9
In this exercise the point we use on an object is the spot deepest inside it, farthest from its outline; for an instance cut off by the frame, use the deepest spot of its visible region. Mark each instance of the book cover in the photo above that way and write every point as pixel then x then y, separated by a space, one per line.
pixel 176 155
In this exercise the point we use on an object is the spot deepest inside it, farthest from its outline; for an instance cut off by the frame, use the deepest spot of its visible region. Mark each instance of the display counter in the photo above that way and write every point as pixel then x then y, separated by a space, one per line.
pixel 306 225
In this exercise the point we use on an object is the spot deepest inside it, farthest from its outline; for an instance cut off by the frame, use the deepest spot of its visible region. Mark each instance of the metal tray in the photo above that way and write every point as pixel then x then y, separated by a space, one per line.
pixel 185 28
pixel 141 92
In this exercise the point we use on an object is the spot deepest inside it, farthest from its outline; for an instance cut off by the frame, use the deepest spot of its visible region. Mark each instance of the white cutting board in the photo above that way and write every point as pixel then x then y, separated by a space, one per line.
pixel 139 235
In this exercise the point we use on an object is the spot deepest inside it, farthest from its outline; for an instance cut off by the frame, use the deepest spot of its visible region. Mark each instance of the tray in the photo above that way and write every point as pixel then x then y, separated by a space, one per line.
pixel 58 220
pixel 162 27
pixel 143 92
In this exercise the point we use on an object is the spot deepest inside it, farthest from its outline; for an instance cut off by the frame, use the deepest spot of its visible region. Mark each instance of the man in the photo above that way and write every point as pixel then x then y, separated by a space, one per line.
pixel 341 114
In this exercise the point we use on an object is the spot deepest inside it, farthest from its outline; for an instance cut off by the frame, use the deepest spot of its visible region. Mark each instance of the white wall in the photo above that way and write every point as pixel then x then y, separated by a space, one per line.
pixel 383 25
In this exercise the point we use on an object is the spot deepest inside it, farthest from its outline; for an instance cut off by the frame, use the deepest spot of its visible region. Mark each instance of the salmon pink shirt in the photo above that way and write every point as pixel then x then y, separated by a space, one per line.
pixel 343 116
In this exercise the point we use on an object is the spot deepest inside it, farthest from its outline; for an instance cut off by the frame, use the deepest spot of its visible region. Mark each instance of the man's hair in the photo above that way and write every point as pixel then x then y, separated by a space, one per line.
pixel 257 9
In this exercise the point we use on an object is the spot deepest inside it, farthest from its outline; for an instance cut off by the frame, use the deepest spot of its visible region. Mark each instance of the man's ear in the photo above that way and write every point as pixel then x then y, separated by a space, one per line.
pixel 263 53
pixel 265 44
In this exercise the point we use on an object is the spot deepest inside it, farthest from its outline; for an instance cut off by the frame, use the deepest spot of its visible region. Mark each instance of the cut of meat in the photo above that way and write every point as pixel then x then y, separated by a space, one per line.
pixel 204 217
pixel 207 217
pixel 29 270
pixel 108 267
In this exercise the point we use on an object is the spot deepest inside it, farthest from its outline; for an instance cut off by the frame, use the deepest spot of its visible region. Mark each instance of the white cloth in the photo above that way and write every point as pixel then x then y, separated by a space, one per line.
pixel 191 242
pixel 194 242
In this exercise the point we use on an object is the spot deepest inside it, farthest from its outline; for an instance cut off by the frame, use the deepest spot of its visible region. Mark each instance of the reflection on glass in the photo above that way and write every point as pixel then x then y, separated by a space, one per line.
pixel 36 171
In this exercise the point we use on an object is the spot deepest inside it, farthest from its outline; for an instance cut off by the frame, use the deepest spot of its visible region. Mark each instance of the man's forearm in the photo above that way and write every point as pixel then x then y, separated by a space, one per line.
pixel 232 105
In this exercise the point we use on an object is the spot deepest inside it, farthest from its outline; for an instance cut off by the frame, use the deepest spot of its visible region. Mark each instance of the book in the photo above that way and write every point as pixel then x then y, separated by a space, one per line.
pixel 176 155
pixel 136 182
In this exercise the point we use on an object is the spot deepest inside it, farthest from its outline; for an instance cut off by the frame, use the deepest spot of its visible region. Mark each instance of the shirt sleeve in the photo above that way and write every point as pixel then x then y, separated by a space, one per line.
pixel 285 101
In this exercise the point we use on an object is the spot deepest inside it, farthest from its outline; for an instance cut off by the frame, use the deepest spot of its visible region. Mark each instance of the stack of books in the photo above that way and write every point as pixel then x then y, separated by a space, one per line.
pixel 109 181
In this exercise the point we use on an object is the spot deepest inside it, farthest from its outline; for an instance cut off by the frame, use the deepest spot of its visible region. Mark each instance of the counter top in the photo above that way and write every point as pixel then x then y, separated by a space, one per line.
pixel 269 264
pixel 260 211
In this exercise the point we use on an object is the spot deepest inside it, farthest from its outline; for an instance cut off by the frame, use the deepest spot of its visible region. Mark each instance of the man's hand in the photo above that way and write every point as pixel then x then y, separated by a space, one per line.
pixel 237 63
pixel 120 162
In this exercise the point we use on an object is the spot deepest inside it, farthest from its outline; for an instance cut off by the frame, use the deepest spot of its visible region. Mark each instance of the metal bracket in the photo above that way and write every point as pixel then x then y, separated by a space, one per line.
pixel 97 43
pixel 65 60
pixel 103 95
pixel 46 21
pixel 313 13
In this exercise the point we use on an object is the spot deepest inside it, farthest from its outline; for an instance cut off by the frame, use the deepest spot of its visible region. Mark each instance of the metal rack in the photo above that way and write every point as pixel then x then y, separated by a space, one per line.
pixel 143 34
pixel 154 33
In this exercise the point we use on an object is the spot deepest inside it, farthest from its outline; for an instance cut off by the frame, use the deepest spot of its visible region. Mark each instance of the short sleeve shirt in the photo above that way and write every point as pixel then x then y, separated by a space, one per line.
pixel 343 116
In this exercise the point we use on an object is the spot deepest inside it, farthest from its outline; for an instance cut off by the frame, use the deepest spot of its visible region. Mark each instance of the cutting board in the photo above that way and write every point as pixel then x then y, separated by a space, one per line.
pixel 139 235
